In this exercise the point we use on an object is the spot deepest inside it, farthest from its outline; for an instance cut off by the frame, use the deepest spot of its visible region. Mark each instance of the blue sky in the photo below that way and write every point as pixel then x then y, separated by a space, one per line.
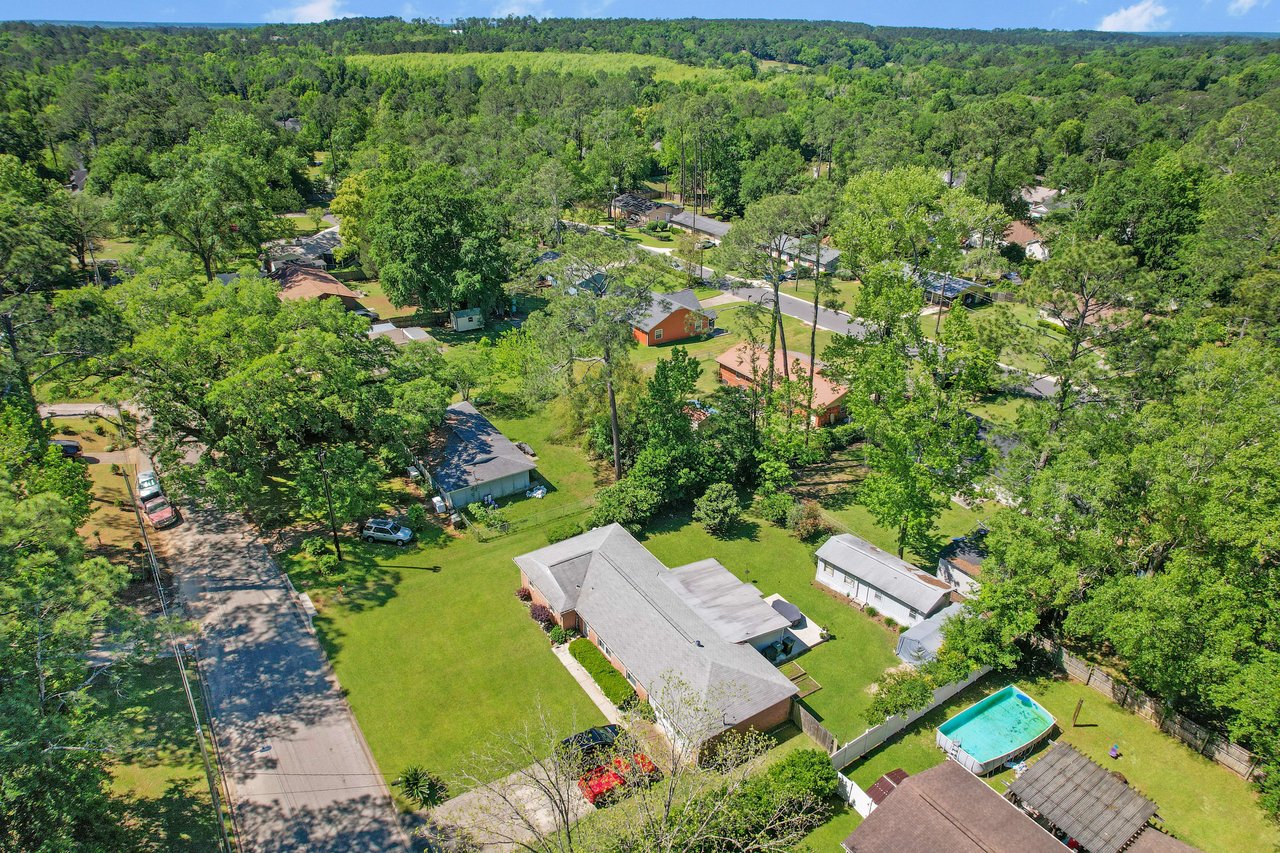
pixel 1124 15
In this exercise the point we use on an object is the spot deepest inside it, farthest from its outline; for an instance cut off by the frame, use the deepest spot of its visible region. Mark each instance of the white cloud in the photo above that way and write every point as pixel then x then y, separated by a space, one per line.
pixel 1242 7
pixel 1141 17
pixel 309 12
pixel 520 8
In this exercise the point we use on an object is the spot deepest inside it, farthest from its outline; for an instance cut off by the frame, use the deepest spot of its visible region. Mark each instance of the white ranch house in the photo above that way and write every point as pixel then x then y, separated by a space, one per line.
pixel 862 572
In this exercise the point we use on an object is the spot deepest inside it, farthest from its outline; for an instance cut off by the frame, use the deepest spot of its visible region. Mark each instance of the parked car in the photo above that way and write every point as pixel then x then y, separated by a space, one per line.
pixel 587 745
pixel 600 783
pixel 386 530
pixel 148 485
pixel 68 447
pixel 160 512
pixel 603 783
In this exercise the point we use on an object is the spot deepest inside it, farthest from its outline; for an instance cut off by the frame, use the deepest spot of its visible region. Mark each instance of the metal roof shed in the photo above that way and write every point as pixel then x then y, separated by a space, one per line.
pixel 1083 799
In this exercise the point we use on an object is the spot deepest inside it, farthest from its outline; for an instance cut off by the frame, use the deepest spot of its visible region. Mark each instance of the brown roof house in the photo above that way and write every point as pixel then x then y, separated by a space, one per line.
pixel 1021 234
pixel 862 572
pixel 673 317
pixel 472 459
pixel 298 282
pixel 686 639
pixel 746 362
pixel 960 562
pixel 946 809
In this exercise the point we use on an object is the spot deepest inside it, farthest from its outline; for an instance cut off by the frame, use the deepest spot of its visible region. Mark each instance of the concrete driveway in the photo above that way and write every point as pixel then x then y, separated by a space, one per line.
pixel 299 770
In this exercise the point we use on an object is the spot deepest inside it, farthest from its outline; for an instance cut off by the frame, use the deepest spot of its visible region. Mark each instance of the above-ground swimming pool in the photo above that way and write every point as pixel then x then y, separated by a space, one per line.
pixel 995 729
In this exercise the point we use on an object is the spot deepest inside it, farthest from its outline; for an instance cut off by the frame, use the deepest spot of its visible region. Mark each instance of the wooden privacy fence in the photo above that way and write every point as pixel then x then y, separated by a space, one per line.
pixel 814 729
pixel 1205 741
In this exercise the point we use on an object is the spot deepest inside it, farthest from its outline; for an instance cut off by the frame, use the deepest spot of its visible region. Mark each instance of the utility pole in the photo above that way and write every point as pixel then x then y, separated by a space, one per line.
pixel 328 498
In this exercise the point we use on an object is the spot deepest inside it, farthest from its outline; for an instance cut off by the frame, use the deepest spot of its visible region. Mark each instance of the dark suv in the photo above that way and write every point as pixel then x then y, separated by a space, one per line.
pixel 584 746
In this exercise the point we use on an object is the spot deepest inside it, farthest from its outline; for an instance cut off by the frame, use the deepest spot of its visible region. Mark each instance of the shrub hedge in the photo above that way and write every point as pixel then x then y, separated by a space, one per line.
pixel 615 687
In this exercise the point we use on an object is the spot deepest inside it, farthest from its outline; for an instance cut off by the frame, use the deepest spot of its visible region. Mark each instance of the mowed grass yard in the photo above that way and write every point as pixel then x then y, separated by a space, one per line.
pixel 438 658
pixel 1202 803
pixel 777 562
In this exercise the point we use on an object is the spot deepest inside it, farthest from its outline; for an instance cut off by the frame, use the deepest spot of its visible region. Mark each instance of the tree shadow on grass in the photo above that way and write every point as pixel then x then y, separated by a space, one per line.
pixel 181 819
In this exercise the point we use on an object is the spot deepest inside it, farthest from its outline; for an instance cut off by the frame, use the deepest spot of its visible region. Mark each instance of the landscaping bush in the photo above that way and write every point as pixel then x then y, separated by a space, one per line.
pixel 774 507
pixel 615 687
pixel 542 614
pixel 872 612
pixel 558 635
pixel 806 522
pixel 890 622
pixel 422 787
pixel 326 563
pixel 314 546
pixel 524 594
pixel 416 516
pixel 100 429
pixel 562 531
pixel 718 510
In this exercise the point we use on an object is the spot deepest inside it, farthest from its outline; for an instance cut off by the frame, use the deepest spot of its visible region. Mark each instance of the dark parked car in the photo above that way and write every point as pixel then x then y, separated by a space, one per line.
pixel 68 447
pixel 585 745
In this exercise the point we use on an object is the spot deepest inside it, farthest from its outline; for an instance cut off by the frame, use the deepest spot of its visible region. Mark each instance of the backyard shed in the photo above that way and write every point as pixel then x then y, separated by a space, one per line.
pixel 466 319
pixel 1083 799
pixel 472 458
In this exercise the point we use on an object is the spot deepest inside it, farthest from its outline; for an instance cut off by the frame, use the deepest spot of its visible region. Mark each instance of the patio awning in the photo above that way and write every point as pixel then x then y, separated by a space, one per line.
pixel 1083 799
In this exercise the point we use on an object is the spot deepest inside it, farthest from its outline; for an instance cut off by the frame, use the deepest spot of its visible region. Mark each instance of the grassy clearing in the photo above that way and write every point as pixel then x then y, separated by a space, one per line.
pixel 1202 803
pixel 84 430
pixel 376 300
pixel 537 62
pixel 438 658
pixel 775 561
pixel 115 248
pixel 159 774
pixel 846 292
pixel 112 523
pixel 302 225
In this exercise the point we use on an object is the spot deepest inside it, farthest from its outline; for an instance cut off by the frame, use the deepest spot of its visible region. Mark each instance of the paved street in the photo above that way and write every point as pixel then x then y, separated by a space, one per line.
pixel 300 773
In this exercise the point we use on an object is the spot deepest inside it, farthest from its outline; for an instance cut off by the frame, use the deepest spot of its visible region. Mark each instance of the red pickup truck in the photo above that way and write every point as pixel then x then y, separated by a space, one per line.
pixel 602 783
pixel 159 512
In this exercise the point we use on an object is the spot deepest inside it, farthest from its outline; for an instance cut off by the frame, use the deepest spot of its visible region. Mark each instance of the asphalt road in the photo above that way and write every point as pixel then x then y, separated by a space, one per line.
pixel 299 770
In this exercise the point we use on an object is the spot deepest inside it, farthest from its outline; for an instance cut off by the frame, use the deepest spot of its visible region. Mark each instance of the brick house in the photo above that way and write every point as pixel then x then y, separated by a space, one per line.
pixel 673 317
pixel 697 626
pixel 746 362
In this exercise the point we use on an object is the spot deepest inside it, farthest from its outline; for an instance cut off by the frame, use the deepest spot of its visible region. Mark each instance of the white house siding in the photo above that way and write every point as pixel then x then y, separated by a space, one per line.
pixel 963 584
pixel 860 591
pixel 500 488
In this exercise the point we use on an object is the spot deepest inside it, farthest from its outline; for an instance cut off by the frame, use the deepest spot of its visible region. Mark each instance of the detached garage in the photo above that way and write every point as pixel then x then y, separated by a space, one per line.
pixel 473 459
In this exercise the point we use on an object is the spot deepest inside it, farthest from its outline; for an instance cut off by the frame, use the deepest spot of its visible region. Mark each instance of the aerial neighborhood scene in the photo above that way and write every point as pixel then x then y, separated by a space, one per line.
pixel 556 433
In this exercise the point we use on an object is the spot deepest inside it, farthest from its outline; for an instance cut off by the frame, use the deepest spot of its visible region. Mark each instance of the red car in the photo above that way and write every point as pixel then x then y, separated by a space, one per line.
pixel 160 512
pixel 606 780
pixel 599 783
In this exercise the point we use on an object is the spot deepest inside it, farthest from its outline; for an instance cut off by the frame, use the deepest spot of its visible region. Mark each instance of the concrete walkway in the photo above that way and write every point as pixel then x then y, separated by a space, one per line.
pixel 587 683
pixel 720 299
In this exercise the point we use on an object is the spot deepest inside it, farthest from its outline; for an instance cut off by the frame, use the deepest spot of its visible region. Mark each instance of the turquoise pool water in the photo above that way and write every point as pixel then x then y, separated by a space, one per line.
pixel 1001 723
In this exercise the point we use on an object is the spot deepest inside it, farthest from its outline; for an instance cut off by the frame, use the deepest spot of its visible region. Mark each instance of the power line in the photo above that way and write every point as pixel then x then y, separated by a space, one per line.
pixel 178 657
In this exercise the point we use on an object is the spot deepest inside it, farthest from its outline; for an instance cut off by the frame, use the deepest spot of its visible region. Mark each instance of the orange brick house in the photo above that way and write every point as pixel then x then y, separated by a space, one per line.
pixel 695 626
pixel 744 363
pixel 673 317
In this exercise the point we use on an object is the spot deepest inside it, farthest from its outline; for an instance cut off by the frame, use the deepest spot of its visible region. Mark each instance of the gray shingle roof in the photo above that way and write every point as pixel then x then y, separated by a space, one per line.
pixel 735 610
pixel 700 223
pixel 623 592
pixel 662 304
pixel 887 573
pixel 473 452
pixel 793 246
pixel 1083 799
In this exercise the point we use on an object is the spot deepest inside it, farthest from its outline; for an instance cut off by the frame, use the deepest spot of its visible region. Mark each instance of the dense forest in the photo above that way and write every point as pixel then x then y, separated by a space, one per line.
pixel 1142 524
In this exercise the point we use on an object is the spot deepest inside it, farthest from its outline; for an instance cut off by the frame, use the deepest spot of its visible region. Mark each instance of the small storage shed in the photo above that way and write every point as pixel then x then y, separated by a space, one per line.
pixel 920 643
pixel 466 319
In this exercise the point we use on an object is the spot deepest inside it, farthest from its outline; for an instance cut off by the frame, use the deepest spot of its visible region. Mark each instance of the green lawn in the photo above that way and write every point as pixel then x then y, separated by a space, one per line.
pixel 845 292
pixel 775 561
pixel 82 429
pixel 115 248
pixel 1202 803
pixel 159 776
pixel 377 301
pixel 438 658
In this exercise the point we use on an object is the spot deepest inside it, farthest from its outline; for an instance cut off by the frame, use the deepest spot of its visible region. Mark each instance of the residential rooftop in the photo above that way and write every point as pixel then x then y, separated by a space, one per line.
pixel 908 584
pixel 473 451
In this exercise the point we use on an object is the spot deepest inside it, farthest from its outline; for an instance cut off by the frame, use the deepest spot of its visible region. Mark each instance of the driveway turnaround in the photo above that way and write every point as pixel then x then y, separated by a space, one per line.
pixel 300 774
